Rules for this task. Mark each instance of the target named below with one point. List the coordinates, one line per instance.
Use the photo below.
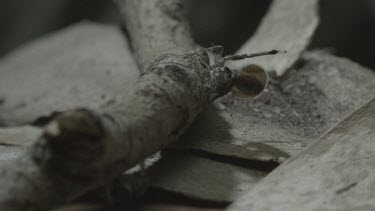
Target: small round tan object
(250, 82)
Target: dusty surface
(334, 173)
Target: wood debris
(336, 172)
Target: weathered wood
(189, 174)
(336, 172)
(82, 149)
(289, 25)
(275, 126)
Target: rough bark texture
(155, 27)
(82, 149)
(336, 172)
(277, 124)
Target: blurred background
(347, 27)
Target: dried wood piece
(212, 179)
(233, 126)
(279, 123)
(336, 172)
(86, 65)
(289, 25)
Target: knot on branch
(72, 138)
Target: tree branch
(80, 150)
(155, 28)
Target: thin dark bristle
(246, 56)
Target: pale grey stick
(80, 150)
